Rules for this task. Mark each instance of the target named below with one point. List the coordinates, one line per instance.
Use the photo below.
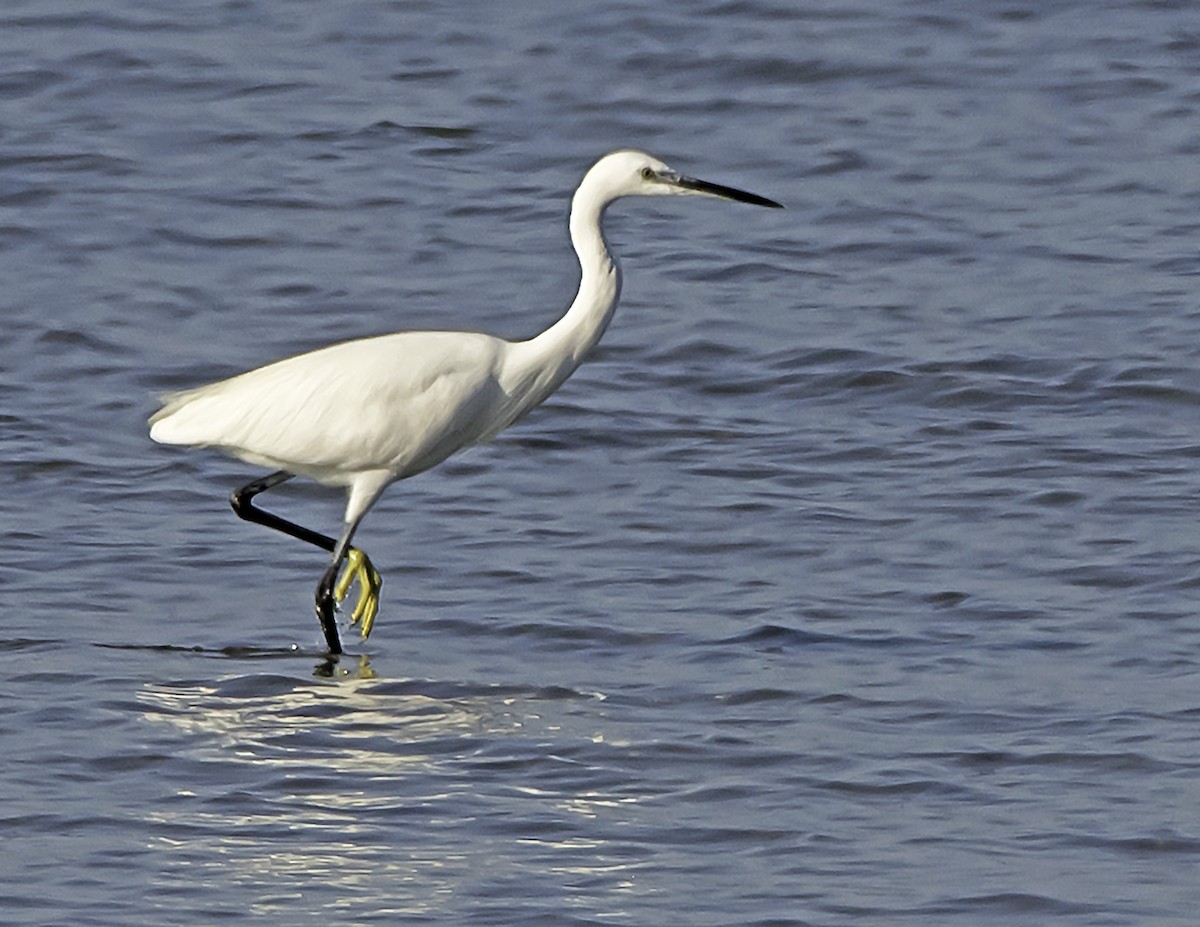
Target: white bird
(363, 414)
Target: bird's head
(635, 173)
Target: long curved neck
(543, 363)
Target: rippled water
(853, 581)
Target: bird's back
(400, 403)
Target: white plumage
(400, 403)
(363, 414)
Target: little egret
(365, 413)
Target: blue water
(852, 581)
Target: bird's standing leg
(362, 492)
(358, 567)
(358, 564)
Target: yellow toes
(359, 567)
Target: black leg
(325, 601)
(241, 500)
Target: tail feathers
(172, 424)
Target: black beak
(725, 193)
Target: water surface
(852, 581)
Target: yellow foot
(359, 567)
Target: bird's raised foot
(359, 567)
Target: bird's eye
(647, 173)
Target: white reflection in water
(358, 796)
(355, 725)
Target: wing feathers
(398, 402)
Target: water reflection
(358, 795)
(355, 724)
